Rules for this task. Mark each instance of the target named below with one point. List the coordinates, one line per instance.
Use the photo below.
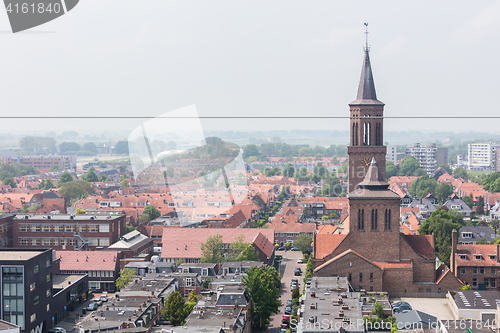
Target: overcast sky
(254, 58)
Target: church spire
(366, 88)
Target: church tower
(366, 128)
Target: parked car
(104, 298)
(295, 248)
(282, 331)
(299, 261)
(57, 330)
(284, 326)
(297, 272)
(91, 307)
(293, 287)
(288, 310)
(296, 281)
(401, 307)
(97, 301)
(289, 302)
(285, 319)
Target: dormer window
(492, 256)
(462, 256)
(478, 256)
(466, 234)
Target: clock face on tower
(366, 162)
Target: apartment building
(44, 162)
(481, 156)
(67, 232)
(428, 156)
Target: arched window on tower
(374, 219)
(361, 219)
(387, 224)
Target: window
(493, 270)
(24, 241)
(474, 270)
(371, 277)
(36, 269)
(492, 256)
(92, 228)
(189, 282)
(428, 290)
(493, 282)
(361, 219)
(474, 283)
(37, 299)
(32, 286)
(46, 241)
(48, 292)
(48, 277)
(462, 270)
(48, 307)
(46, 228)
(71, 242)
(478, 256)
(58, 228)
(103, 227)
(94, 241)
(35, 228)
(462, 256)
(103, 241)
(350, 277)
(33, 317)
(371, 288)
(64, 242)
(360, 277)
(35, 241)
(481, 270)
(387, 220)
(420, 290)
(374, 219)
(82, 228)
(23, 228)
(55, 241)
(69, 228)
(48, 263)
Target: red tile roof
(421, 244)
(88, 260)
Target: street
(289, 263)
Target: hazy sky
(258, 58)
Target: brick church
(368, 247)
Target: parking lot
(437, 307)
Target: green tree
(422, 186)
(206, 283)
(38, 145)
(460, 173)
(16, 170)
(65, 177)
(447, 168)
(152, 211)
(295, 293)
(90, 176)
(212, 250)
(192, 297)
(378, 310)
(80, 211)
(248, 254)
(250, 150)
(174, 309)
(9, 181)
(390, 169)
(468, 201)
(69, 147)
(90, 147)
(465, 287)
(264, 295)
(441, 223)
(124, 184)
(408, 167)
(482, 241)
(55, 167)
(443, 191)
(289, 171)
(303, 242)
(76, 189)
(103, 178)
(309, 268)
(45, 184)
(121, 148)
(124, 278)
(480, 206)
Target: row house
(474, 264)
(102, 267)
(67, 232)
(288, 232)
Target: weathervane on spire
(367, 48)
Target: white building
(480, 156)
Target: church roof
(366, 88)
(373, 186)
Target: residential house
(459, 206)
(471, 234)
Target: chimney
(454, 251)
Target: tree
(103, 178)
(76, 189)
(295, 292)
(174, 309)
(303, 242)
(124, 184)
(447, 168)
(212, 250)
(408, 166)
(378, 310)
(480, 206)
(289, 170)
(69, 147)
(192, 297)
(250, 150)
(90, 147)
(65, 177)
(390, 169)
(90, 176)
(248, 254)
(482, 241)
(206, 283)
(441, 223)
(460, 173)
(45, 184)
(38, 145)
(9, 181)
(121, 148)
(152, 211)
(468, 201)
(465, 287)
(124, 278)
(81, 211)
(264, 295)
(16, 170)
(422, 186)
(443, 191)
(55, 167)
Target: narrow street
(288, 264)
